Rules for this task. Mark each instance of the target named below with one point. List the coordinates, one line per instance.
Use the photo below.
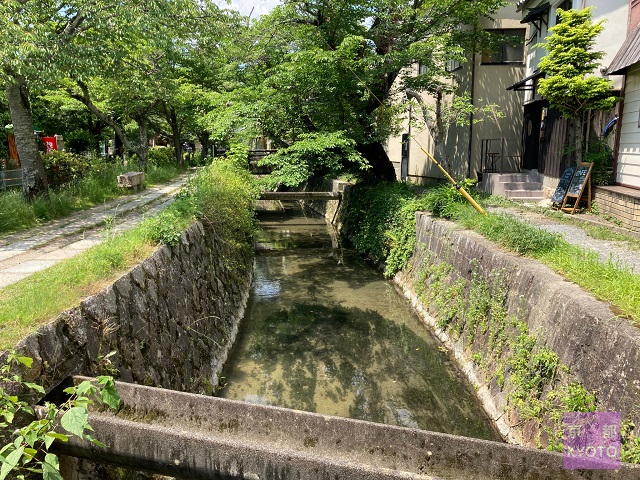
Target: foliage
(327, 154)
(238, 155)
(630, 451)
(98, 186)
(569, 59)
(221, 194)
(162, 156)
(370, 212)
(64, 167)
(444, 201)
(325, 67)
(29, 449)
(600, 155)
(568, 65)
(380, 219)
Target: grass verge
(380, 220)
(222, 194)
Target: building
(546, 134)
(492, 144)
(622, 201)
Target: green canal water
(324, 332)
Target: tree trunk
(205, 141)
(171, 117)
(579, 123)
(34, 178)
(381, 166)
(143, 149)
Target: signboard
(581, 180)
(563, 185)
(50, 143)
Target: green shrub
(64, 167)
(167, 227)
(78, 141)
(161, 157)
(444, 201)
(370, 213)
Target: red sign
(50, 143)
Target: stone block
(131, 179)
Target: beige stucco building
(489, 140)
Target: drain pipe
(473, 85)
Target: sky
(260, 7)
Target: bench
(131, 180)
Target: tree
(570, 60)
(44, 41)
(335, 67)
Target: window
(422, 69)
(566, 5)
(508, 47)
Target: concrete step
(528, 194)
(521, 185)
(520, 177)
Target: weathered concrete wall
(171, 320)
(601, 350)
(199, 437)
(327, 208)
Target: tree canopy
(570, 85)
(331, 68)
(326, 80)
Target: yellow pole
(462, 191)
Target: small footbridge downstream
(308, 196)
(200, 437)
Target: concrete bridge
(308, 196)
(199, 437)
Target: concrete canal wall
(170, 321)
(594, 347)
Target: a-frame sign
(580, 184)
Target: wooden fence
(10, 178)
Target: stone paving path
(619, 252)
(29, 251)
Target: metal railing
(10, 178)
(500, 155)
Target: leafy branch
(28, 449)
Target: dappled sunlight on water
(326, 333)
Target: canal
(324, 332)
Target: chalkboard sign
(577, 182)
(581, 179)
(563, 185)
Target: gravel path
(618, 252)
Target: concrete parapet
(198, 437)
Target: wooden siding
(628, 164)
(552, 160)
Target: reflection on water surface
(325, 333)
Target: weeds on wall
(539, 388)
(380, 219)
